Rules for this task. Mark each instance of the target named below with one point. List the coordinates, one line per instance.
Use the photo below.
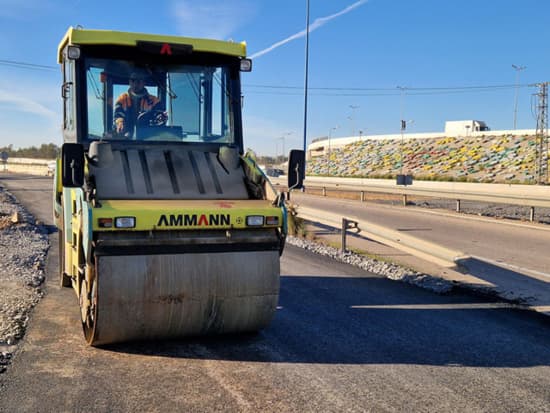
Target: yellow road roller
(167, 228)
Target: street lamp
(518, 69)
(328, 153)
(282, 138)
(402, 89)
(306, 70)
(352, 118)
(403, 127)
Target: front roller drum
(148, 297)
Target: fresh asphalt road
(342, 340)
(524, 246)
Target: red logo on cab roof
(166, 49)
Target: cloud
(319, 22)
(19, 103)
(213, 19)
(30, 109)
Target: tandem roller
(168, 227)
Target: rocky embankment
(23, 249)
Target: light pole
(328, 152)
(402, 101)
(282, 138)
(352, 118)
(403, 127)
(518, 69)
(306, 70)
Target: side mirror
(296, 169)
(72, 165)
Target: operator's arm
(121, 107)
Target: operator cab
(192, 103)
(187, 96)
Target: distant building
(456, 128)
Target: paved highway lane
(521, 245)
(342, 340)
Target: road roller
(167, 226)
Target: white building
(455, 128)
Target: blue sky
(355, 46)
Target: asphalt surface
(342, 340)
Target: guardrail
(430, 251)
(530, 196)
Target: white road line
(451, 306)
(525, 271)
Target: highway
(342, 340)
(521, 245)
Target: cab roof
(76, 36)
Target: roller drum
(142, 297)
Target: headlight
(254, 220)
(73, 52)
(246, 65)
(125, 222)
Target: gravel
(386, 269)
(23, 248)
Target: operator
(132, 105)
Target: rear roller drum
(88, 305)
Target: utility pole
(518, 69)
(541, 165)
(306, 70)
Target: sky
(371, 62)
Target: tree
(45, 151)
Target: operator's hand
(120, 125)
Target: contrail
(321, 21)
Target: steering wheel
(152, 118)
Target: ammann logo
(194, 220)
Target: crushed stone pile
(23, 249)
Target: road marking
(450, 306)
(524, 271)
